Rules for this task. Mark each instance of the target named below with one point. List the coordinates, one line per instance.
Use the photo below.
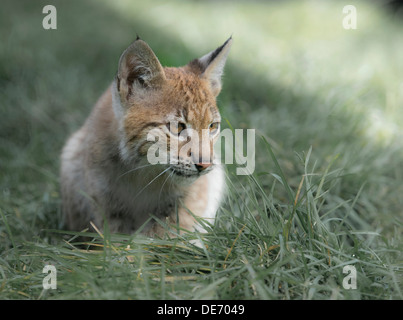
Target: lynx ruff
(105, 172)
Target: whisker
(166, 179)
(172, 181)
(132, 170)
(160, 174)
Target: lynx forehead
(104, 168)
(184, 98)
(197, 104)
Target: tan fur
(104, 169)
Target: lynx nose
(201, 163)
(202, 166)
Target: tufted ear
(138, 70)
(211, 65)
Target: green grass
(327, 189)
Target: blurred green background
(294, 74)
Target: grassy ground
(327, 190)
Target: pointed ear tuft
(138, 69)
(211, 65)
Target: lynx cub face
(177, 104)
(108, 167)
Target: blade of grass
(10, 234)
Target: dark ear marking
(138, 69)
(217, 51)
(211, 65)
(118, 83)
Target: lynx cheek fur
(104, 169)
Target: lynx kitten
(105, 171)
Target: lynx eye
(214, 127)
(176, 127)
